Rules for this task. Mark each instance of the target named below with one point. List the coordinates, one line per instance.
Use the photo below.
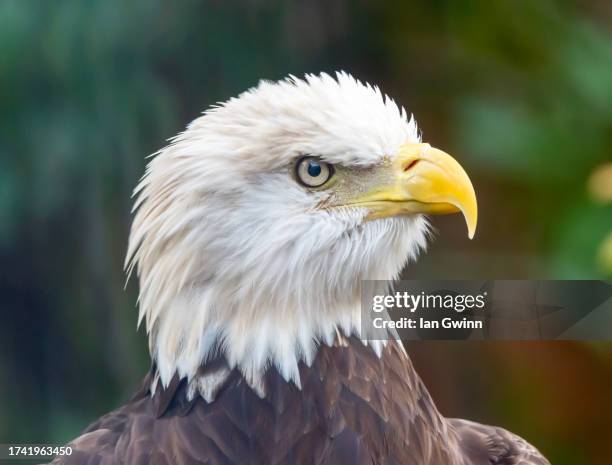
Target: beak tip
(471, 225)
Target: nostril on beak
(411, 165)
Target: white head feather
(233, 255)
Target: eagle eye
(312, 172)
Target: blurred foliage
(605, 254)
(600, 184)
(520, 91)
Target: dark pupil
(314, 169)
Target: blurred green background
(519, 91)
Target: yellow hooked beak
(423, 180)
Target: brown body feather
(354, 408)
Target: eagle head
(255, 227)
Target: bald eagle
(254, 230)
